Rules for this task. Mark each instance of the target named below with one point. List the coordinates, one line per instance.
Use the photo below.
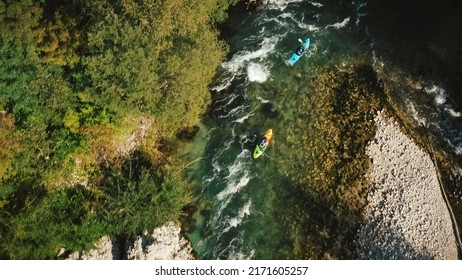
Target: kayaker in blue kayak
(300, 51)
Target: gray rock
(414, 220)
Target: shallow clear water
(241, 201)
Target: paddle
(300, 40)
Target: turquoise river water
(240, 201)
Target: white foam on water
(236, 253)
(440, 98)
(312, 28)
(238, 62)
(362, 4)
(280, 23)
(341, 24)
(377, 63)
(224, 149)
(286, 15)
(210, 133)
(235, 249)
(257, 73)
(207, 180)
(224, 83)
(360, 14)
(316, 4)
(216, 170)
(243, 118)
(223, 223)
(227, 99)
(280, 4)
(457, 148)
(244, 139)
(237, 178)
(415, 114)
(240, 59)
(232, 112)
(262, 100)
(216, 166)
(438, 92)
(243, 114)
(300, 23)
(234, 186)
(227, 194)
(234, 222)
(453, 113)
(233, 255)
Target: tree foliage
(149, 56)
(75, 76)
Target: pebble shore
(406, 217)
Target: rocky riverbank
(165, 243)
(406, 216)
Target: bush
(135, 198)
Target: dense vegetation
(91, 96)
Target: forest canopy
(77, 79)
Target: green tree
(18, 19)
(8, 143)
(58, 38)
(149, 57)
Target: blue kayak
(300, 51)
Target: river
(255, 209)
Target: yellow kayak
(263, 143)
